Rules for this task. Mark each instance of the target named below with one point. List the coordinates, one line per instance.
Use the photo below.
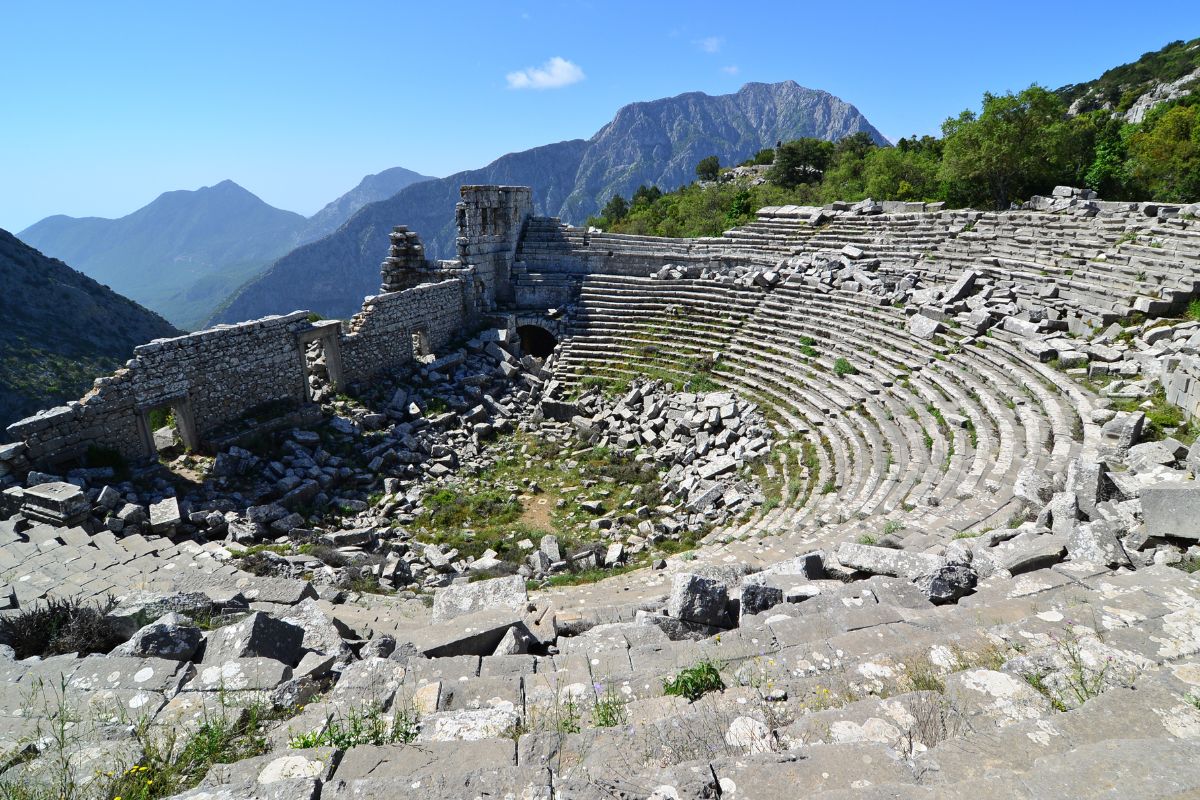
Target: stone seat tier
(762, 360)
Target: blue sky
(106, 105)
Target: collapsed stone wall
(214, 379)
(381, 335)
(213, 376)
(1182, 385)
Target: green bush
(168, 766)
(609, 711)
(843, 367)
(764, 157)
(695, 681)
(367, 727)
(709, 169)
(446, 508)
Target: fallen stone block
(137, 609)
(1039, 553)
(885, 561)
(257, 636)
(507, 593)
(677, 629)
(947, 582)
(697, 599)
(56, 503)
(164, 515)
(1122, 432)
(171, 636)
(759, 597)
(1097, 542)
(924, 327)
(1172, 511)
(475, 634)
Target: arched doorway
(536, 340)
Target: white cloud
(732, 69)
(554, 74)
(710, 44)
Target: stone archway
(536, 340)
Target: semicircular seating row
(885, 441)
(1096, 269)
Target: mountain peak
(371, 189)
(656, 141)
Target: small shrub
(167, 768)
(61, 626)
(1188, 565)
(325, 553)
(361, 728)
(843, 367)
(695, 681)
(920, 675)
(1037, 681)
(609, 711)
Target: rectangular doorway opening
(317, 379)
(420, 344)
(168, 429)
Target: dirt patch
(536, 512)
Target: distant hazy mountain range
(187, 251)
(59, 330)
(657, 142)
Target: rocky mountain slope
(1132, 89)
(179, 255)
(59, 330)
(657, 142)
(370, 189)
(188, 250)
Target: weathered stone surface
(496, 594)
(1097, 542)
(885, 561)
(257, 636)
(697, 599)
(757, 598)
(923, 327)
(1172, 510)
(170, 636)
(164, 515)
(141, 608)
(56, 502)
(946, 583)
(478, 633)
(1039, 553)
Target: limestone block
(1172, 510)
(507, 593)
(258, 635)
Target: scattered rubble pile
(344, 488)
(830, 670)
(336, 505)
(702, 442)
